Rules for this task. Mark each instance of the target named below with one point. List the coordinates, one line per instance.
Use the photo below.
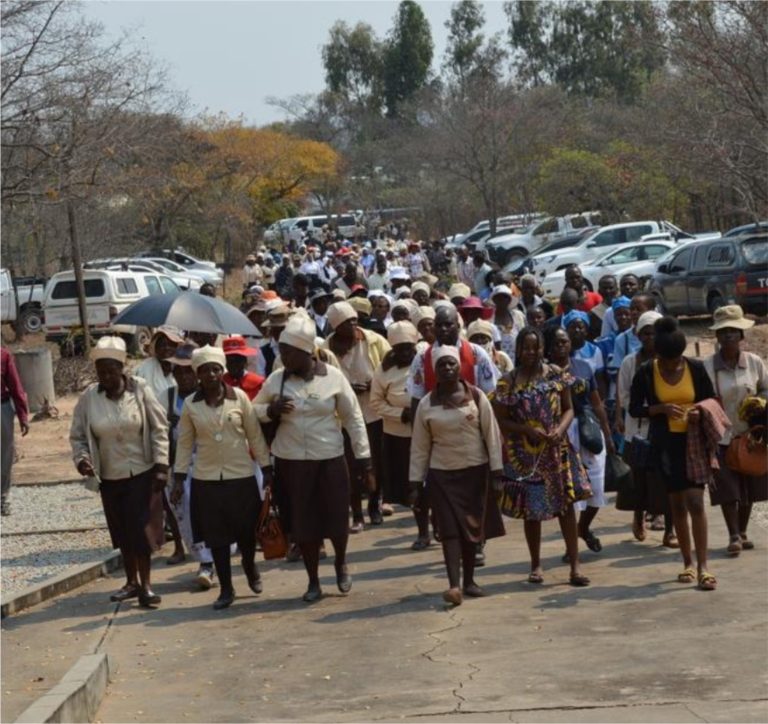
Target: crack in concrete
(470, 677)
(693, 713)
(585, 707)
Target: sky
(230, 56)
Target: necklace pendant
(218, 437)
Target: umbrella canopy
(190, 311)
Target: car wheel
(31, 320)
(514, 255)
(714, 302)
(136, 344)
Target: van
(107, 293)
(345, 224)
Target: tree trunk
(79, 282)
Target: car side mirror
(663, 268)
(591, 244)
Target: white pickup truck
(22, 300)
(505, 248)
(608, 238)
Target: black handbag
(590, 434)
(640, 453)
(617, 474)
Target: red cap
(236, 345)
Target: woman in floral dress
(543, 475)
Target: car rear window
(720, 255)
(756, 252)
(68, 289)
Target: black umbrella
(190, 311)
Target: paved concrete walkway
(635, 646)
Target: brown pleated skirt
(224, 511)
(134, 513)
(456, 497)
(314, 495)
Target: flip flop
(421, 544)
(535, 577)
(687, 576)
(670, 541)
(707, 582)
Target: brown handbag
(269, 532)
(747, 454)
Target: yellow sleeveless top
(681, 394)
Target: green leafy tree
(589, 47)
(353, 61)
(407, 56)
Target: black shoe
(376, 517)
(225, 600)
(343, 580)
(125, 593)
(480, 556)
(254, 578)
(314, 593)
(148, 598)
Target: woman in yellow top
(220, 425)
(665, 389)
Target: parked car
(22, 300)
(107, 293)
(186, 260)
(639, 259)
(518, 267)
(519, 244)
(195, 276)
(607, 239)
(345, 224)
(699, 278)
(277, 233)
(184, 280)
(751, 228)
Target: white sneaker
(205, 576)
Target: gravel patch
(760, 514)
(39, 508)
(31, 559)
(29, 555)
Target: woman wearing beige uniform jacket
(455, 441)
(119, 435)
(220, 425)
(311, 402)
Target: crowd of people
(396, 376)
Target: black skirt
(672, 464)
(224, 511)
(134, 513)
(456, 498)
(396, 457)
(733, 487)
(316, 495)
(652, 495)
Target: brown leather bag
(269, 532)
(747, 454)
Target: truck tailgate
(59, 318)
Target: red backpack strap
(429, 373)
(467, 359)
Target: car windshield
(756, 252)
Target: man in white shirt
(380, 277)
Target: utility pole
(77, 261)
